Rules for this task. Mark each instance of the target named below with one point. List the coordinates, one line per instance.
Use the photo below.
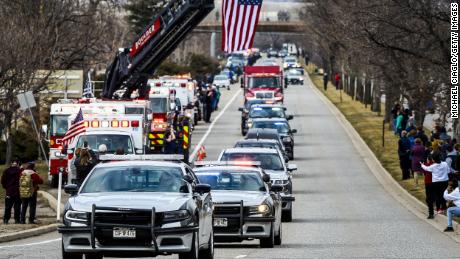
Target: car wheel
(287, 215)
(68, 255)
(269, 242)
(93, 256)
(193, 253)
(208, 253)
(279, 237)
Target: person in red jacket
(10, 182)
(31, 199)
(337, 81)
(430, 191)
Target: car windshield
(232, 180)
(250, 103)
(269, 161)
(257, 144)
(294, 72)
(264, 82)
(266, 112)
(159, 105)
(281, 127)
(113, 142)
(59, 125)
(135, 179)
(220, 77)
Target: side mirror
(149, 117)
(241, 109)
(291, 167)
(290, 117)
(202, 188)
(266, 178)
(71, 189)
(293, 131)
(276, 188)
(188, 178)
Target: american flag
(88, 88)
(75, 129)
(239, 22)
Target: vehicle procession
(143, 198)
(147, 193)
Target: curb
(51, 200)
(29, 233)
(35, 231)
(390, 185)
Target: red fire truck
(263, 82)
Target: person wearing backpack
(10, 182)
(28, 187)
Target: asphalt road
(341, 211)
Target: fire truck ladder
(176, 20)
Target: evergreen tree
(142, 12)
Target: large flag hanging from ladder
(239, 22)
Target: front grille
(264, 95)
(229, 210)
(255, 229)
(140, 218)
(105, 238)
(79, 241)
(171, 242)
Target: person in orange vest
(201, 155)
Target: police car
(245, 206)
(258, 111)
(272, 162)
(138, 207)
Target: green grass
(369, 126)
(42, 170)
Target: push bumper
(242, 227)
(160, 240)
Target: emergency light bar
(227, 163)
(133, 157)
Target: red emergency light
(134, 124)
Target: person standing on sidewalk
(404, 155)
(325, 79)
(439, 171)
(421, 135)
(10, 182)
(418, 154)
(429, 190)
(28, 187)
(337, 81)
(451, 194)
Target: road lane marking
(240, 256)
(32, 244)
(197, 147)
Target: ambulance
(60, 113)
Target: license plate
(124, 233)
(220, 222)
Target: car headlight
(249, 124)
(286, 139)
(280, 182)
(76, 216)
(260, 209)
(176, 215)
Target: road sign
(26, 100)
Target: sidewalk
(45, 216)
